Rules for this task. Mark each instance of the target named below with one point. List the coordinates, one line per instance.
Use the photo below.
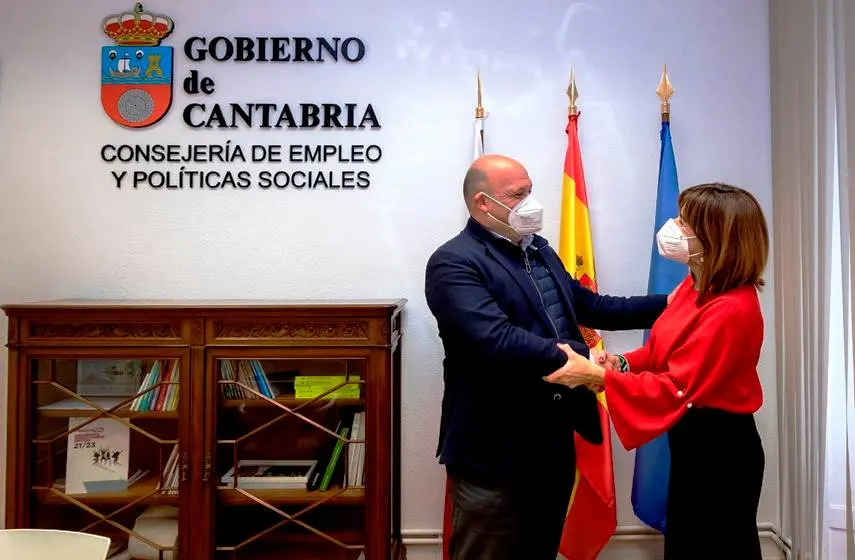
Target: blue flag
(653, 460)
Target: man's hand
(577, 371)
(671, 295)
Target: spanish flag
(592, 516)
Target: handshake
(605, 359)
(581, 371)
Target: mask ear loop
(497, 202)
(490, 214)
(692, 255)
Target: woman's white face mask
(673, 244)
(524, 218)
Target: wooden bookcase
(229, 358)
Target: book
(97, 456)
(278, 474)
(108, 378)
(356, 451)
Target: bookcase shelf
(335, 495)
(289, 401)
(227, 430)
(121, 413)
(144, 490)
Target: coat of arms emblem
(136, 72)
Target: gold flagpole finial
(572, 94)
(665, 91)
(480, 113)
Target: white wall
(66, 231)
(834, 537)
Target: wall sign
(137, 80)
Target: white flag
(478, 147)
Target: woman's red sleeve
(724, 341)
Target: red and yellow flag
(592, 515)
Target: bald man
(503, 301)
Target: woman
(696, 377)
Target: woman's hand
(577, 371)
(605, 359)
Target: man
(503, 301)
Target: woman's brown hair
(731, 228)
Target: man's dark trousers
(496, 519)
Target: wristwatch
(622, 363)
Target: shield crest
(136, 72)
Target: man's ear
(479, 201)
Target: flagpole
(480, 112)
(665, 91)
(479, 107)
(591, 517)
(649, 495)
(478, 149)
(572, 94)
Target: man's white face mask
(525, 218)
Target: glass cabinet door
(104, 448)
(289, 437)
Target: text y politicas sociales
(229, 153)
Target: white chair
(47, 544)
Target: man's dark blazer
(499, 418)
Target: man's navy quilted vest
(548, 293)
